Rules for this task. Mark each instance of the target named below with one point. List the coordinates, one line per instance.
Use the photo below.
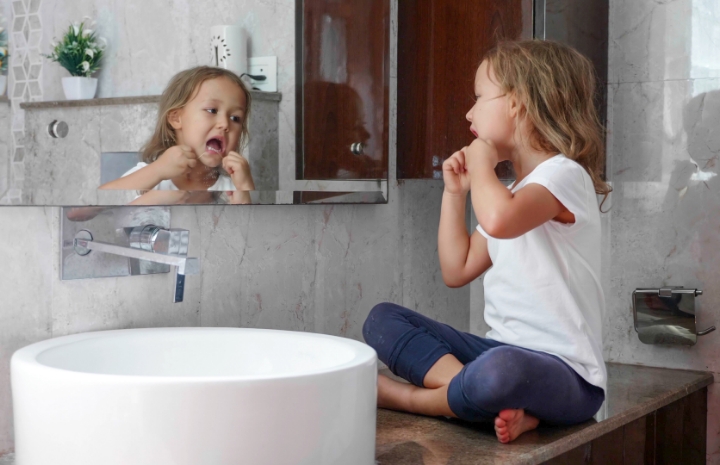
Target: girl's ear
(514, 105)
(174, 119)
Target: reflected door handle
(357, 148)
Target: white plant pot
(79, 88)
(3, 84)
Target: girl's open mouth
(474, 133)
(215, 145)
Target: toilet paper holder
(667, 315)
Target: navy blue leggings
(496, 376)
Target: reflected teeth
(212, 149)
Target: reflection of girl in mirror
(538, 240)
(194, 153)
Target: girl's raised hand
(175, 161)
(481, 151)
(239, 170)
(455, 174)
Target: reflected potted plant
(80, 52)
(4, 55)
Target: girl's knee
(495, 381)
(374, 322)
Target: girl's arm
(142, 180)
(239, 197)
(154, 197)
(462, 257)
(157, 197)
(175, 161)
(501, 213)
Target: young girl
(539, 242)
(200, 129)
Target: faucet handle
(159, 240)
(172, 241)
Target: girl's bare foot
(511, 423)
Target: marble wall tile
(663, 40)
(26, 284)
(6, 152)
(664, 220)
(663, 147)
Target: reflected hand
(239, 170)
(175, 161)
(455, 174)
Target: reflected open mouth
(215, 145)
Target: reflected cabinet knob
(357, 148)
(58, 129)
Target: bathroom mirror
(319, 136)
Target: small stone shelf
(270, 96)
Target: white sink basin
(195, 396)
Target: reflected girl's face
(492, 115)
(211, 122)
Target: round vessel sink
(190, 396)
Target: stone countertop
(256, 95)
(633, 391)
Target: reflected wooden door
(440, 44)
(343, 122)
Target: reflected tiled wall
(24, 84)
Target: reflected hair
(556, 86)
(179, 91)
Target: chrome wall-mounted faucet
(138, 249)
(153, 244)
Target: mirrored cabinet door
(344, 116)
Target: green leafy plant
(80, 51)
(4, 55)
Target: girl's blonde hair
(556, 86)
(181, 89)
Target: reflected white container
(79, 88)
(190, 396)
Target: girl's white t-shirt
(223, 183)
(543, 291)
